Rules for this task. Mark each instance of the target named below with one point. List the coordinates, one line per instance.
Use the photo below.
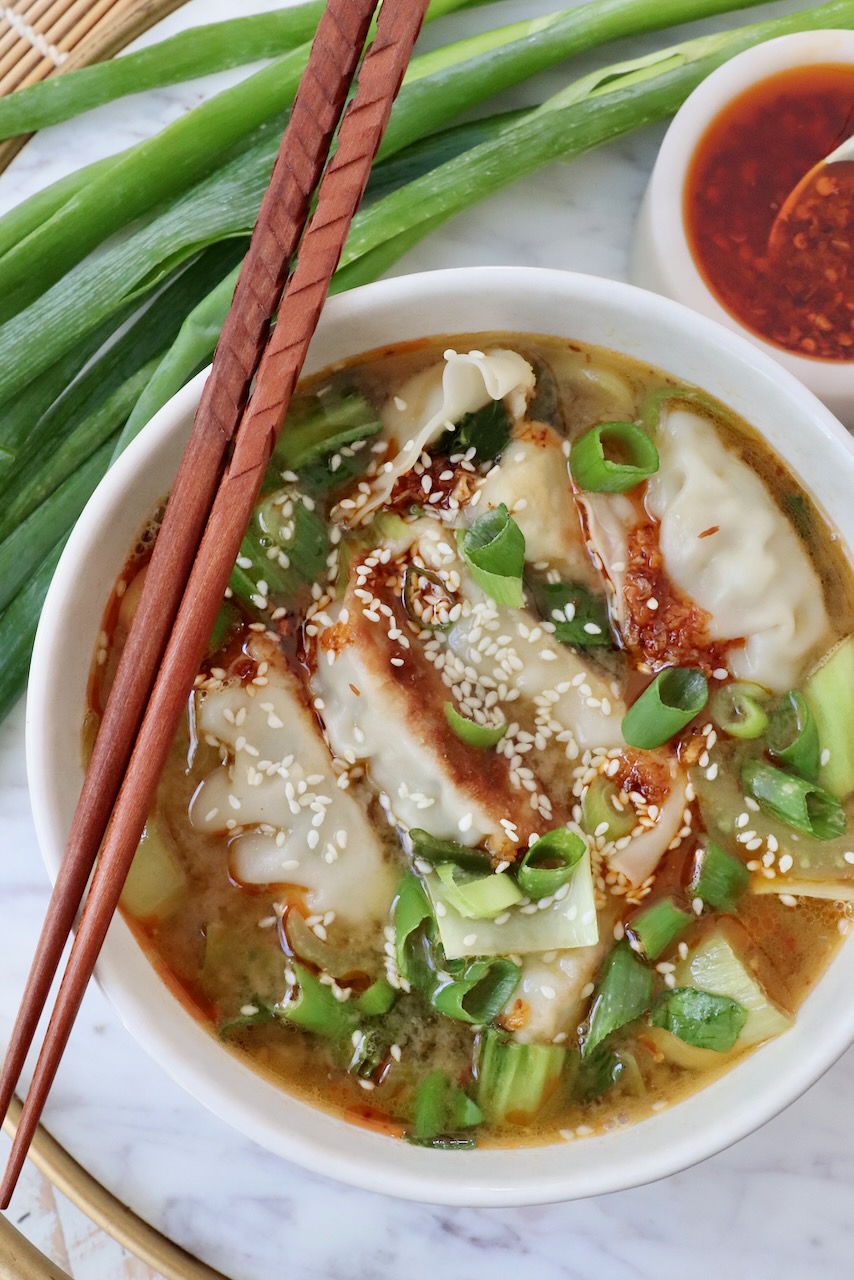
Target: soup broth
(513, 800)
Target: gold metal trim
(20, 1260)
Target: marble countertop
(777, 1205)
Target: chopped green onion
(549, 863)
(514, 1081)
(657, 926)
(313, 1007)
(799, 804)
(433, 849)
(579, 617)
(700, 1018)
(598, 1072)
(494, 550)
(599, 815)
(441, 1110)
(718, 878)
(477, 897)
(623, 993)
(264, 1014)
(377, 1000)
(472, 733)
(675, 696)
(793, 737)
(227, 620)
(477, 991)
(737, 708)
(650, 410)
(413, 575)
(829, 692)
(413, 919)
(368, 1050)
(487, 431)
(612, 457)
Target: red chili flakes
(663, 626)
(800, 295)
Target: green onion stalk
(591, 111)
(439, 86)
(153, 172)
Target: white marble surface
(777, 1205)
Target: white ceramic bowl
(661, 258)
(642, 325)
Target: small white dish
(653, 330)
(661, 258)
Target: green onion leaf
(477, 897)
(487, 431)
(738, 709)
(579, 617)
(718, 878)
(675, 696)
(477, 991)
(612, 458)
(793, 736)
(699, 1018)
(657, 926)
(514, 1081)
(550, 862)
(600, 817)
(494, 550)
(623, 993)
(472, 733)
(433, 849)
(313, 1007)
(798, 803)
(377, 1000)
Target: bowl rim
(486, 1177)
(661, 225)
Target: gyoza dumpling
(728, 547)
(435, 400)
(278, 795)
(532, 480)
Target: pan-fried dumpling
(751, 573)
(435, 400)
(278, 794)
(533, 483)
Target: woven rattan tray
(40, 38)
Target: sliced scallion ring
(472, 733)
(793, 736)
(477, 897)
(800, 804)
(600, 816)
(612, 457)
(433, 849)
(738, 709)
(675, 696)
(550, 862)
(494, 550)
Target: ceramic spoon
(842, 153)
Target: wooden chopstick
(303, 153)
(339, 195)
